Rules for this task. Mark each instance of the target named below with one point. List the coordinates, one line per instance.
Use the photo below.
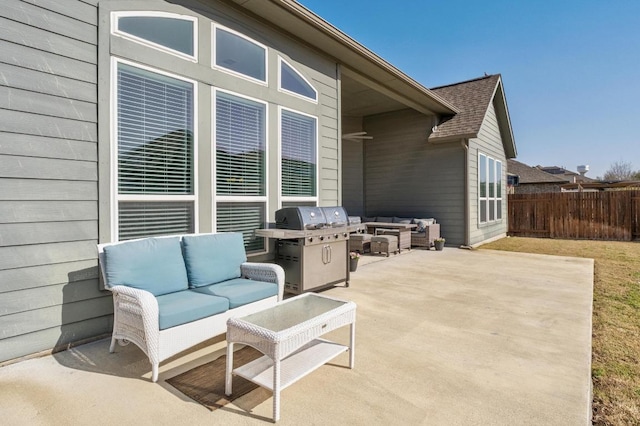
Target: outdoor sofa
(425, 233)
(171, 293)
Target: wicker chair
(427, 237)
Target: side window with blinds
(298, 139)
(240, 180)
(155, 153)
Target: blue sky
(570, 68)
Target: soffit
(309, 28)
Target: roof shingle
(472, 98)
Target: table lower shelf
(294, 367)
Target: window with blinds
(298, 135)
(244, 217)
(148, 219)
(240, 146)
(155, 143)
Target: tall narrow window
(298, 138)
(240, 55)
(155, 153)
(174, 33)
(240, 141)
(489, 189)
(293, 82)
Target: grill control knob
(344, 234)
(321, 238)
(310, 239)
(335, 236)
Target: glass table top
(293, 312)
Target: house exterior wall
(48, 177)
(537, 188)
(55, 145)
(408, 177)
(488, 142)
(353, 168)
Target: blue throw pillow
(152, 264)
(213, 258)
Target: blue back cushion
(152, 264)
(213, 258)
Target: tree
(621, 170)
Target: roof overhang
(504, 121)
(356, 61)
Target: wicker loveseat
(171, 293)
(425, 233)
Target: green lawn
(616, 320)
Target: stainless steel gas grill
(312, 246)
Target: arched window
(165, 31)
(292, 82)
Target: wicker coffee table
(287, 334)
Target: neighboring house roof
(567, 174)
(355, 59)
(473, 99)
(532, 175)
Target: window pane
(498, 209)
(245, 218)
(292, 81)
(499, 179)
(492, 178)
(146, 219)
(240, 55)
(492, 210)
(174, 33)
(298, 203)
(298, 133)
(483, 176)
(483, 210)
(155, 133)
(240, 146)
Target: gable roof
(530, 174)
(473, 98)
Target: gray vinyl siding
(48, 177)
(488, 142)
(408, 177)
(353, 168)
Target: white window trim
(289, 92)
(281, 197)
(238, 198)
(215, 66)
(489, 199)
(115, 197)
(116, 31)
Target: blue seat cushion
(152, 264)
(240, 291)
(187, 306)
(213, 258)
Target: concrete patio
(456, 337)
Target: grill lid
(308, 218)
(299, 218)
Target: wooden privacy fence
(608, 215)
